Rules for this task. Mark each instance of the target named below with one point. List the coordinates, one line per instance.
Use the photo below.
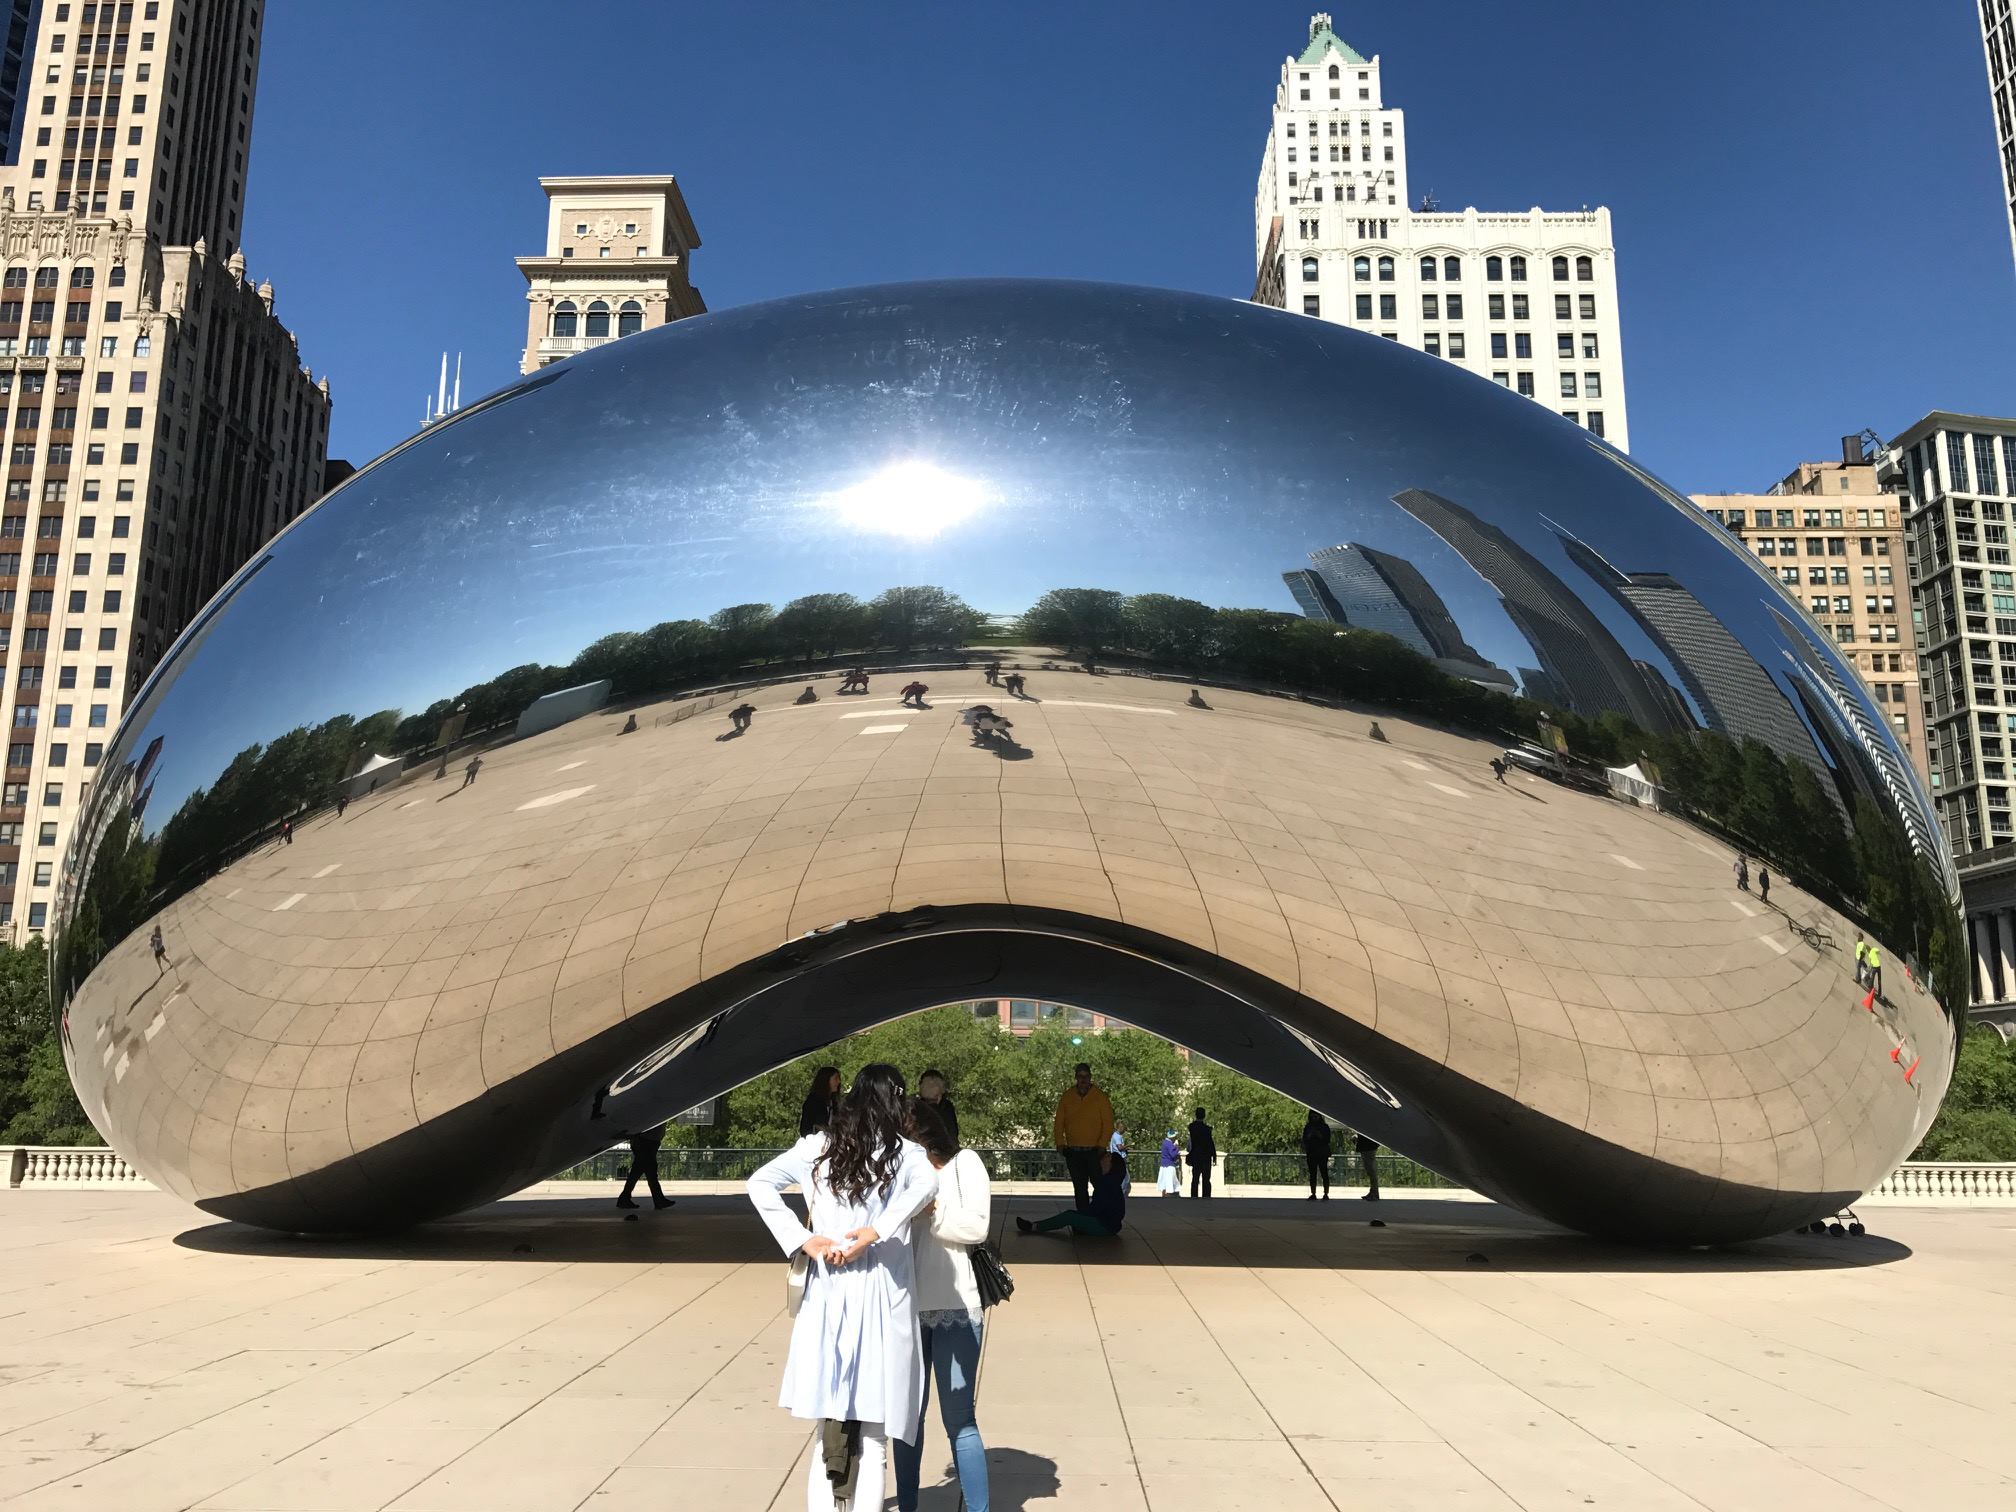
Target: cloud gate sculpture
(486, 815)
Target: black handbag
(990, 1276)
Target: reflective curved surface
(1323, 582)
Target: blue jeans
(952, 1354)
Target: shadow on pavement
(1419, 1233)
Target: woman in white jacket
(854, 1352)
(948, 1308)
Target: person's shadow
(728, 735)
(1016, 1480)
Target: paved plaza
(541, 1356)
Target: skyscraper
(1365, 597)
(1313, 596)
(618, 260)
(1358, 585)
(1998, 41)
(17, 20)
(161, 427)
(1583, 667)
(1527, 298)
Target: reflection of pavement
(1589, 958)
(1275, 1354)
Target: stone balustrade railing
(67, 1165)
(1948, 1181)
(1931, 1182)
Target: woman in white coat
(948, 1308)
(854, 1351)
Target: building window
(629, 318)
(1592, 385)
(1596, 422)
(1526, 384)
(1522, 346)
(1452, 269)
(1494, 269)
(1432, 343)
(598, 320)
(1456, 343)
(1389, 307)
(1428, 270)
(1585, 269)
(1310, 268)
(1518, 270)
(1364, 309)
(1361, 269)
(1496, 308)
(565, 318)
(1431, 307)
(1385, 270)
(1568, 386)
(1311, 305)
(1499, 347)
(1561, 270)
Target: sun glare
(913, 500)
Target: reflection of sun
(912, 499)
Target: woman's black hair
(926, 1125)
(818, 1110)
(865, 1140)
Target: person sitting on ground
(1376, 733)
(629, 726)
(912, 693)
(1196, 700)
(1105, 1213)
(810, 695)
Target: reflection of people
(949, 1313)
(161, 961)
(1764, 884)
(742, 716)
(1316, 1152)
(856, 1364)
(1861, 962)
(343, 802)
(1203, 1151)
(931, 1087)
(629, 726)
(1082, 1126)
(469, 772)
(992, 672)
(1102, 1216)
(1742, 871)
(1168, 1183)
(1013, 682)
(1196, 700)
(1875, 960)
(810, 695)
(1498, 768)
(818, 1110)
(856, 681)
(287, 830)
(1368, 1157)
(987, 725)
(644, 1163)
(912, 693)
(1380, 735)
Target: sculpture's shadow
(1414, 1233)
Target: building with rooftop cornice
(160, 427)
(1527, 299)
(618, 260)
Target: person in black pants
(1203, 1150)
(1368, 1153)
(644, 1166)
(1316, 1151)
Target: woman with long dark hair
(854, 1358)
(949, 1314)
(818, 1110)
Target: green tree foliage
(37, 1105)
(1244, 1114)
(1978, 1119)
(906, 618)
(1090, 620)
(1167, 628)
(821, 624)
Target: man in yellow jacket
(1083, 1125)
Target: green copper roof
(1321, 41)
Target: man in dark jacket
(1316, 1152)
(1105, 1215)
(1203, 1151)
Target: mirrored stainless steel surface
(428, 931)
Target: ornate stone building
(159, 424)
(617, 261)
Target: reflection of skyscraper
(1864, 757)
(1578, 655)
(1364, 596)
(1313, 596)
(1736, 695)
(1356, 585)
(1669, 696)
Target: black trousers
(1200, 1175)
(1082, 1162)
(1319, 1170)
(644, 1168)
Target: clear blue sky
(1807, 205)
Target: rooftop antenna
(1429, 203)
(444, 401)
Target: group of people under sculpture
(886, 1297)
